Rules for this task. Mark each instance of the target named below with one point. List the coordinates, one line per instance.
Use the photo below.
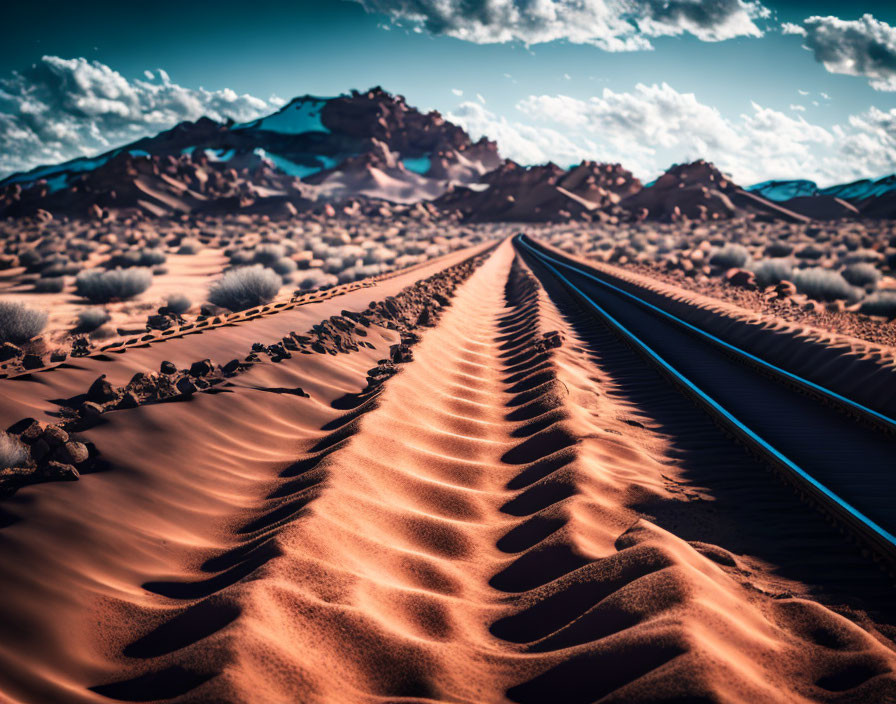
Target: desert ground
(422, 470)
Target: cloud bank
(60, 109)
(612, 25)
(653, 126)
(863, 47)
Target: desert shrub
(823, 284)
(89, 319)
(136, 258)
(13, 452)
(178, 303)
(778, 249)
(861, 274)
(30, 258)
(730, 256)
(284, 266)
(315, 278)
(881, 303)
(771, 271)
(51, 284)
(19, 323)
(245, 287)
(101, 286)
(863, 255)
(240, 257)
(268, 254)
(810, 251)
(189, 245)
(56, 270)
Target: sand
(512, 516)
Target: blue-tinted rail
(832, 448)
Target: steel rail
(881, 541)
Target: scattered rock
(168, 368)
(128, 400)
(741, 278)
(201, 368)
(55, 436)
(185, 386)
(785, 289)
(72, 453)
(101, 391)
(9, 351)
(32, 361)
(90, 410)
(60, 471)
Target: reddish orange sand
(465, 535)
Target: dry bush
(243, 288)
(19, 323)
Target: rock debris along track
(461, 532)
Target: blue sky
(730, 85)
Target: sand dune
(502, 519)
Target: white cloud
(798, 108)
(480, 98)
(791, 28)
(60, 109)
(653, 126)
(862, 47)
(457, 91)
(802, 92)
(612, 25)
(524, 144)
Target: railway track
(836, 452)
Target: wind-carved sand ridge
(472, 529)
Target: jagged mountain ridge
(373, 146)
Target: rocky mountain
(372, 146)
(699, 191)
(314, 149)
(862, 198)
(512, 192)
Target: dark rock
(201, 368)
(60, 471)
(58, 356)
(168, 368)
(129, 400)
(158, 322)
(54, 436)
(231, 367)
(424, 319)
(32, 361)
(80, 347)
(89, 409)
(32, 433)
(39, 450)
(185, 386)
(101, 390)
(400, 354)
(785, 289)
(9, 351)
(20, 426)
(741, 278)
(72, 452)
